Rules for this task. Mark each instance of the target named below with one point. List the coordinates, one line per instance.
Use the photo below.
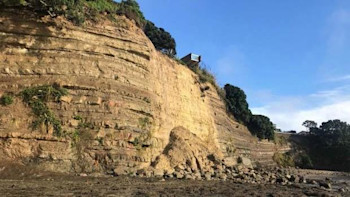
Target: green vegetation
(303, 160)
(284, 159)
(13, 2)
(6, 100)
(178, 60)
(144, 122)
(131, 9)
(281, 140)
(262, 127)
(82, 132)
(99, 6)
(331, 144)
(78, 11)
(36, 98)
(310, 124)
(237, 105)
(77, 117)
(204, 75)
(161, 39)
(75, 136)
(326, 147)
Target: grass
(82, 132)
(6, 100)
(36, 98)
(77, 117)
(102, 6)
(178, 60)
(204, 75)
(79, 10)
(280, 140)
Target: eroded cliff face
(132, 95)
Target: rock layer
(132, 95)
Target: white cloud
(341, 78)
(290, 113)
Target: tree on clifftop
(161, 39)
(310, 124)
(131, 9)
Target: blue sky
(292, 58)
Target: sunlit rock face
(129, 94)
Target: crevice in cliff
(138, 53)
(134, 63)
(142, 112)
(104, 35)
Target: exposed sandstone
(129, 94)
(186, 150)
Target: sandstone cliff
(132, 95)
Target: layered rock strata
(131, 94)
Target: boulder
(325, 184)
(120, 171)
(178, 175)
(246, 162)
(207, 176)
(158, 172)
(186, 151)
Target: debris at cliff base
(188, 152)
(187, 157)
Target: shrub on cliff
(13, 2)
(237, 103)
(262, 127)
(131, 9)
(6, 100)
(71, 9)
(284, 159)
(78, 10)
(161, 39)
(36, 98)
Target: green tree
(310, 124)
(333, 143)
(237, 103)
(131, 9)
(262, 127)
(161, 39)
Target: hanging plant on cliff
(161, 39)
